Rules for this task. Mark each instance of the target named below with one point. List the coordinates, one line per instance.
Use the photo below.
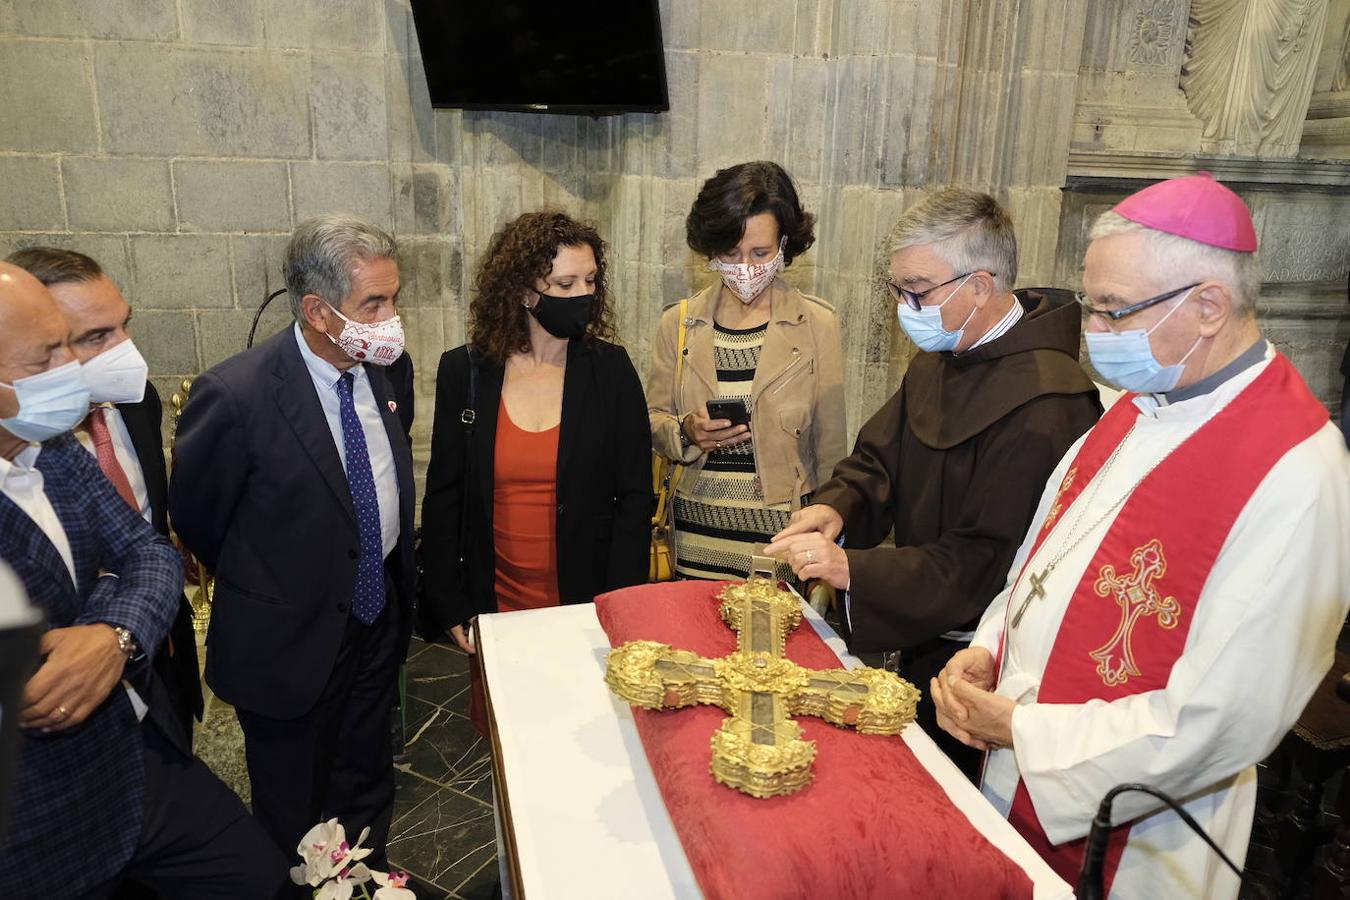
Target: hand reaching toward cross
(808, 546)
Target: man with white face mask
(106, 788)
(122, 429)
(293, 483)
(953, 463)
(1178, 596)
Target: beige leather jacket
(797, 395)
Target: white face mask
(379, 342)
(748, 280)
(50, 403)
(924, 325)
(116, 375)
(1125, 359)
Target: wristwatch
(684, 438)
(125, 642)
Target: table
(578, 810)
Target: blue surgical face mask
(1126, 360)
(924, 325)
(50, 403)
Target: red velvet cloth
(872, 823)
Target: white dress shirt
(325, 376)
(126, 455)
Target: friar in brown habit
(955, 461)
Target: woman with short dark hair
(767, 356)
(556, 504)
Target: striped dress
(720, 516)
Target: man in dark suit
(122, 429)
(292, 482)
(105, 788)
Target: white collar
(1204, 405)
(23, 463)
(1001, 327)
(320, 369)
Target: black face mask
(564, 317)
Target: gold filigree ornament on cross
(760, 750)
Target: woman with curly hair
(756, 414)
(539, 487)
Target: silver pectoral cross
(1037, 591)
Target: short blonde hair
(1182, 260)
(967, 229)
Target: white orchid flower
(392, 886)
(344, 883)
(326, 854)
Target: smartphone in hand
(734, 411)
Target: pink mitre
(1195, 207)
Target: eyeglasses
(1115, 315)
(914, 299)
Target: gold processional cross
(760, 750)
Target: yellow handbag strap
(664, 495)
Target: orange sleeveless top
(524, 522)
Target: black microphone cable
(1090, 882)
(252, 329)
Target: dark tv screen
(584, 56)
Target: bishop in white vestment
(1178, 597)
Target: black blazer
(400, 375)
(604, 483)
(179, 673)
(259, 494)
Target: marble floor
(442, 833)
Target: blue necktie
(368, 599)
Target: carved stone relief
(1249, 72)
(1155, 32)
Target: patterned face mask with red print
(379, 342)
(748, 280)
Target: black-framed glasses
(1115, 315)
(914, 299)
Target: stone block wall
(179, 141)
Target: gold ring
(62, 710)
(810, 556)
(719, 444)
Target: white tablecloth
(586, 813)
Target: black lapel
(490, 378)
(143, 420)
(295, 396)
(576, 397)
(393, 426)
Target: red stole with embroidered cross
(1128, 620)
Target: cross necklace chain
(1038, 579)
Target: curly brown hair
(519, 256)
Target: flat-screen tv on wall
(595, 57)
